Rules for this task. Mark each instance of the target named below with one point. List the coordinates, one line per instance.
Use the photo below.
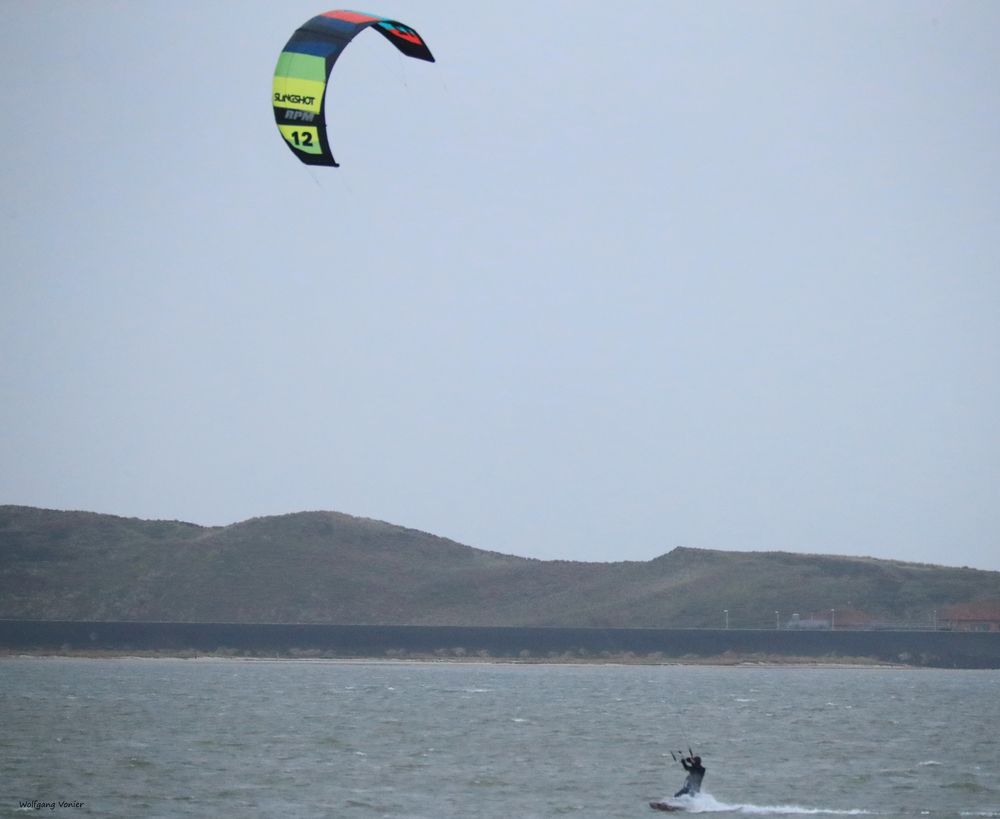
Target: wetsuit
(696, 772)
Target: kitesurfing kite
(304, 67)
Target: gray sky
(602, 281)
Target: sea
(359, 739)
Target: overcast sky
(602, 281)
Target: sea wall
(925, 648)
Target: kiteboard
(666, 806)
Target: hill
(327, 567)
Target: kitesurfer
(695, 773)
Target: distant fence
(926, 648)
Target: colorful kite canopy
(304, 67)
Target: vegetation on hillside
(326, 567)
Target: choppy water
(167, 738)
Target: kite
(303, 71)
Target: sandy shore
(724, 661)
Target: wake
(706, 803)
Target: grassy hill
(326, 567)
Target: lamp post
(833, 619)
(777, 621)
(725, 614)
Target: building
(979, 616)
